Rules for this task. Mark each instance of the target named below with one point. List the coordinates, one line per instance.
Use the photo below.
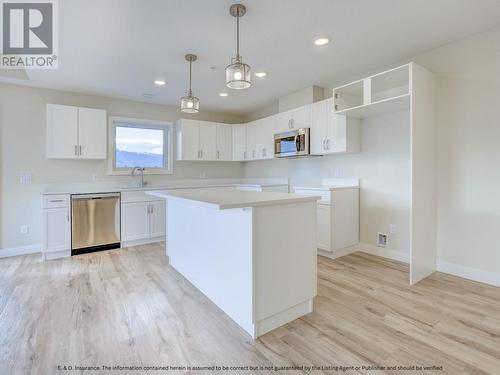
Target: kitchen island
(252, 253)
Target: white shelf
(381, 107)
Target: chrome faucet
(143, 183)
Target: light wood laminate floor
(128, 307)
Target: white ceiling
(119, 47)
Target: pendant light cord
(238, 35)
(190, 69)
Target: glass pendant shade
(238, 75)
(190, 104)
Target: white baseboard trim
(142, 242)
(21, 250)
(469, 273)
(338, 253)
(384, 252)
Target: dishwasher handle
(95, 196)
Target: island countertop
(227, 198)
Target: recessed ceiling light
(322, 41)
(160, 82)
(223, 94)
(260, 74)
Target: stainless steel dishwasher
(95, 222)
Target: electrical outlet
(203, 174)
(336, 172)
(23, 229)
(392, 228)
(94, 176)
(25, 178)
(382, 239)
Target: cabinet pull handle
(67, 216)
(152, 208)
(253, 153)
(324, 147)
(244, 154)
(201, 153)
(218, 154)
(56, 200)
(76, 150)
(80, 150)
(328, 144)
(291, 123)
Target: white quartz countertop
(325, 187)
(223, 198)
(330, 184)
(90, 188)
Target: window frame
(166, 126)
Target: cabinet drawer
(326, 196)
(55, 201)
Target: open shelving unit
(386, 92)
(408, 88)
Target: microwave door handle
(297, 143)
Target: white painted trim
(385, 252)
(145, 241)
(21, 250)
(338, 253)
(487, 277)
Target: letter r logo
(27, 28)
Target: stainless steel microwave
(291, 143)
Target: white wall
(22, 149)
(383, 166)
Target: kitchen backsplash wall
(22, 150)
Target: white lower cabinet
(337, 217)
(143, 219)
(56, 227)
(135, 221)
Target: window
(140, 143)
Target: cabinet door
(188, 139)
(251, 147)
(135, 221)
(294, 119)
(62, 131)
(92, 133)
(265, 138)
(323, 227)
(319, 126)
(239, 142)
(158, 219)
(208, 140)
(300, 117)
(56, 229)
(224, 142)
(337, 133)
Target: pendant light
(238, 73)
(190, 103)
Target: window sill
(146, 173)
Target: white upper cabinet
(188, 139)
(224, 142)
(208, 140)
(239, 142)
(74, 132)
(332, 133)
(251, 140)
(294, 119)
(319, 127)
(92, 133)
(264, 138)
